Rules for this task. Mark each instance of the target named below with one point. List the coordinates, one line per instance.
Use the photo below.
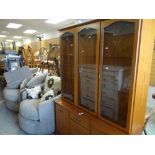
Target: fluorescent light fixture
(9, 40)
(27, 41)
(18, 44)
(30, 31)
(14, 25)
(2, 36)
(54, 21)
(17, 37)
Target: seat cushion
(29, 109)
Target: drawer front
(96, 131)
(90, 95)
(112, 94)
(108, 93)
(106, 111)
(76, 129)
(109, 73)
(88, 81)
(80, 120)
(109, 85)
(88, 103)
(107, 102)
(87, 75)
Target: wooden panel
(143, 75)
(80, 120)
(76, 129)
(62, 120)
(97, 131)
(152, 76)
(101, 127)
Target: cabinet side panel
(143, 74)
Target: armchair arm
(46, 111)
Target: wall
(152, 76)
(45, 43)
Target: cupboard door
(76, 129)
(62, 120)
(116, 64)
(67, 65)
(88, 50)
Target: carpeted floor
(8, 120)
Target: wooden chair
(43, 54)
(28, 57)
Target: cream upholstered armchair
(37, 116)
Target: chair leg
(145, 132)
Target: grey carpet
(8, 120)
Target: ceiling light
(54, 21)
(30, 31)
(18, 44)
(17, 37)
(27, 41)
(4, 32)
(2, 36)
(9, 40)
(14, 25)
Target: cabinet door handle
(80, 113)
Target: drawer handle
(80, 113)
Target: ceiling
(48, 30)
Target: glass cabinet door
(87, 45)
(117, 55)
(67, 65)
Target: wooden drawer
(96, 131)
(109, 85)
(110, 93)
(108, 102)
(99, 127)
(76, 129)
(108, 112)
(81, 120)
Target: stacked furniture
(105, 68)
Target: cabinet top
(81, 24)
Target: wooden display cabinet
(108, 79)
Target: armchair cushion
(52, 82)
(24, 83)
(47, 96)
(36, 80)
(29, 109)
(34, 93)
